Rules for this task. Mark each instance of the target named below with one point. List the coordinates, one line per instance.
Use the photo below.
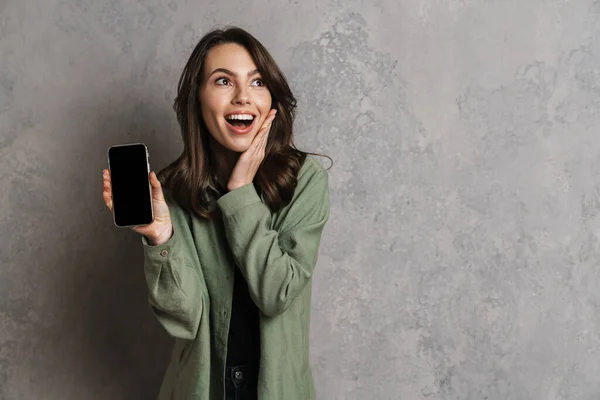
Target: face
(231, 85)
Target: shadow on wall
(122, 346)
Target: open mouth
(240, 123)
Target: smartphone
(131, 191)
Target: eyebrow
(228, 72)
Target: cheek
(210, 104)
(210, 115)
(210, 120)
(266, 108)
(263, 97)
(207, 108)
(205, 115)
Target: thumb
(156, 186)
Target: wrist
(232, 186)
(163, 237)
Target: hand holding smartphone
(134, 195)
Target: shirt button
(239, 375)
(164, 253)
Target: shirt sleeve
(277, 263)
(176, 287)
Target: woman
(230, 254)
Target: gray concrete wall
(461, 258)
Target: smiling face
(231, 85)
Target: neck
(222, 161)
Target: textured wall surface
(461, 257)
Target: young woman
(238, 221)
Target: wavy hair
(189, 178)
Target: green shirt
(190, 283)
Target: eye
(221, 78)
(261, 82)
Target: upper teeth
(240, 116)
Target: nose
(241, 96)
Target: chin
(238, 149)
(238, 146)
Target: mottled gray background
(461, 257)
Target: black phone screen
(132, 202)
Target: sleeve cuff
(162, 253)
(237, 199)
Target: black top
(243, 345)
(243, 342)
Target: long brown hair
(189, 178)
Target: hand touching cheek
(247, 165)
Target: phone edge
(149, 185)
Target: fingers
(107, 191)
(268, 122)
(107, 200)
(265, 136)
(157, 192)
(263, 141)
(154, 181)
(260, 141)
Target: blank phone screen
(130, 185)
